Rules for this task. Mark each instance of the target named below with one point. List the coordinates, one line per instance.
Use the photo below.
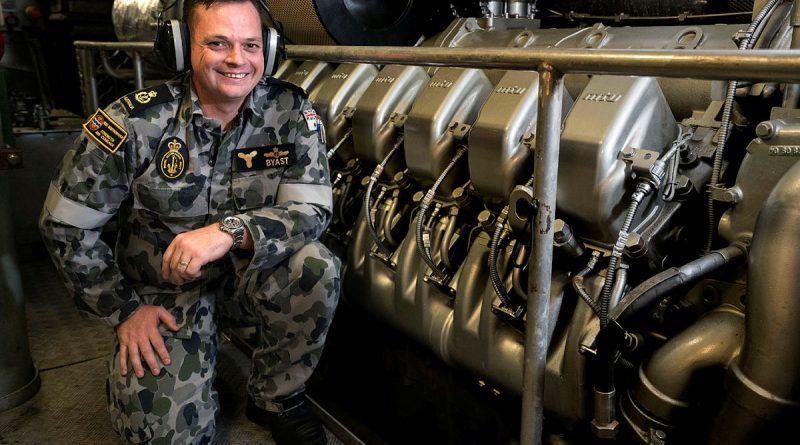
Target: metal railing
(552, 64)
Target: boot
(297, 425)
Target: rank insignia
(259, 158)
(140, 100)
(173, 159)
(105, 131)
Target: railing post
(548, 130)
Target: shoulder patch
(287, 85)
(105, 131)
(141, 100)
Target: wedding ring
(183, 264)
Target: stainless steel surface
(611, 114)
(671, 378)
(452, 96)
(393, 90)
(342, 91)
(768, 158)
(310, 76)
(498, 157)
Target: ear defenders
(172, 45)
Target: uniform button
(211, 162)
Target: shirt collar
(191, 103)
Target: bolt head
(765, 130)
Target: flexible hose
(339, 144)
(727, 111)
(444, 243)
(580, 289)
(663, 284)
(494, 248)
(387, 221)
(423, 238)
(368, 197)
(642, 189)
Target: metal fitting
(565, 241)
(604, 424)
(765, 130)
(635, 246)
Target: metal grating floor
(71, 352)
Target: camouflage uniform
(154, 160)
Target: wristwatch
(234, 227)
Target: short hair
(190, 6)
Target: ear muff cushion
(172, 44)
(273, 50)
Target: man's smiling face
(227, 55)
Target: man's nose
(235, 56)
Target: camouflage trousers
(293, 305)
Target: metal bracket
(730, 195)
(640, 159)
(459, 130)
(398, 119)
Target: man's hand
(190, 251)
(139, 338)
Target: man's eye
(216, 44)
(252, 46)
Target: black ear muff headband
(172, 46)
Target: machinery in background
(673, 310)
(664, 273)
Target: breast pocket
(255, 189)
(172, 203)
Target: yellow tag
(105, 131)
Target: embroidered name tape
(105, 131)
(260, 158)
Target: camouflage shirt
(154, 160)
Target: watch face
(232, 222)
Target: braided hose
(368, 198)
(494, 248)
(727, 111)
(577, 282)
(341, 141)
(642, 189)
(423, 238)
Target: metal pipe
(138, 70)
(88, 80)
(763, 383)
(548, 132)
(784, 65)
(665, 384)
(791, 95)
(144, 47)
